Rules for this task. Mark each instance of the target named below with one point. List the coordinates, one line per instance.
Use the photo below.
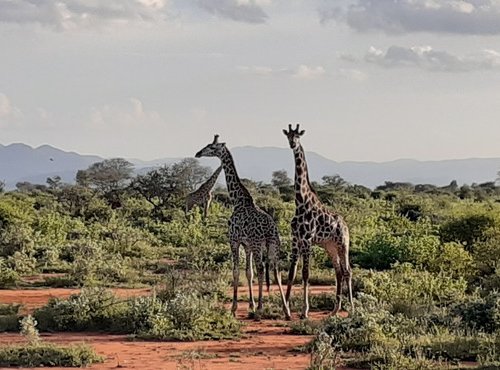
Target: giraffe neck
(304, 193)
(238, 194)
(209, 184)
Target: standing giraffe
(248, 226)
(203, 195)
(313, 223)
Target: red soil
(264, 345)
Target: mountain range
(21, 162)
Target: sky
(369, 80)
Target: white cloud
(305, 72)
(257, 70)
(353, 74)
(480, 17)
(69, 14)
(132, 114)
(427, 58)
(302, 72)
(9, 114)
(248, 11)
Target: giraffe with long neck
(248, 226)
(203, 195)
(313, 223)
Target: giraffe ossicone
(313, 223)
(250, 227)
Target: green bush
(480, 313)
(8, 276)
(467, 229)
(408, 289)
(46, 354)
(92, 309)
(9, 322)
(189, 317)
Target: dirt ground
(264, 345)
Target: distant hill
(259, 163)
(20, 162)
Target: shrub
(189, 317)
(92, 309)
(467, 229)
(37, 353)
(478, 313)
(8, 276)
(408, 289)
(45, 354)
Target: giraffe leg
(249, 272)
(235, 248)
(293, 268)
(286, 308)
(346, 268)
(273, 258)
(260, 275)
(305, 279)
(333, 251)
(338, 296)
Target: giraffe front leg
(249, 273)
(305, 279)
(235, 248)
(260, 276)
(293, 268)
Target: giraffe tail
(268, 279)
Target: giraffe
(248, 226)
(313, 223)
(203, 195)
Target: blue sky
(367, 79)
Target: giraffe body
(202, 197)
(313, 223)
(250, 227)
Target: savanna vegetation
(426, 266)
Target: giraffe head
(214, 149)
(293, 136)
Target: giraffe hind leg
(249, 273)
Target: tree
(158, 187)
(54, 182)
(335, 181)
(280, 179)
(106, 176)
(28, 187)
(189, 174)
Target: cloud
(9, 114)
(425, 57)
(475, 17)
(302, 72)
(352, 74)
(248, 11)
(129, 115)
(70, 14)
(305, 72)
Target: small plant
(325, 354)
(29, 330)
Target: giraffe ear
(302, 132)
(285, 132)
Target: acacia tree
(161, 187)
(106, 176)
(280, 179)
